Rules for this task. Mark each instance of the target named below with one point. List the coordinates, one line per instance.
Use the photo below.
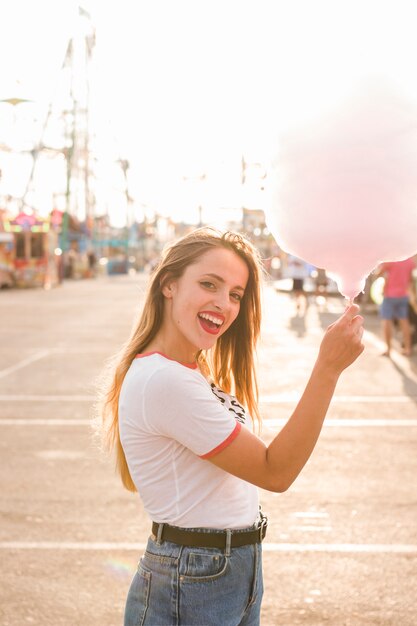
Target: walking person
(298, 270)
(395, 304)
(320, 282)
(181, 411)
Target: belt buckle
(262, 528)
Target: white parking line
(347, 548)
(353, 423)
(292, 398)
(69, 545)
(30, 359)
(358, 548)
(269, 423)
(46, 398)
(44, 422)
(276, 398)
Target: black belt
(209, 539)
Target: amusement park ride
(58, 223)
(39, 250)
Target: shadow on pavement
(297, 325)
(409, 385)
(326, 318)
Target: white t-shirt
(171, 419)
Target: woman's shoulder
(162, 381)
(164, 371)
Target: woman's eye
(207, 284)
(236, 296)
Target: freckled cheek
(182, 319)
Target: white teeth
(211, 318)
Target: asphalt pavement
(341, 548)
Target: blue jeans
(177, 585)
(394, 308)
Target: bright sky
(182, 88)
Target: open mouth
(210, 323)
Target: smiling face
(203, 303)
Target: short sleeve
(179, 404)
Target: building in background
(33, 251)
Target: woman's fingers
(351, 311)
(356, 328)
(357, 323)
(342, 343)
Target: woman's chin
(207, 342)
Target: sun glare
(186, 88)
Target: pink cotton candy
(344, 185)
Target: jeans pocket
(203, 566)
(138, 598)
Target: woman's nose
(221, 301)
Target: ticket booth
(35, 262)
(6, 260)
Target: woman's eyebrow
(221, 280)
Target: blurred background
(120, 128)
(124, 124)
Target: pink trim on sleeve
(141, 355)
(225, 443)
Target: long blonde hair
(230, 362)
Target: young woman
(174, 413)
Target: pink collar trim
(192, 366)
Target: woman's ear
(166, 284)
(166, 290)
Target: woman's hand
(342, 342)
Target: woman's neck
(168, 348)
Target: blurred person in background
(395, 304)
(320, 282)
(180, 411)
(298, 270)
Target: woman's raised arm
(275, 467)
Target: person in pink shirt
(398, 284)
